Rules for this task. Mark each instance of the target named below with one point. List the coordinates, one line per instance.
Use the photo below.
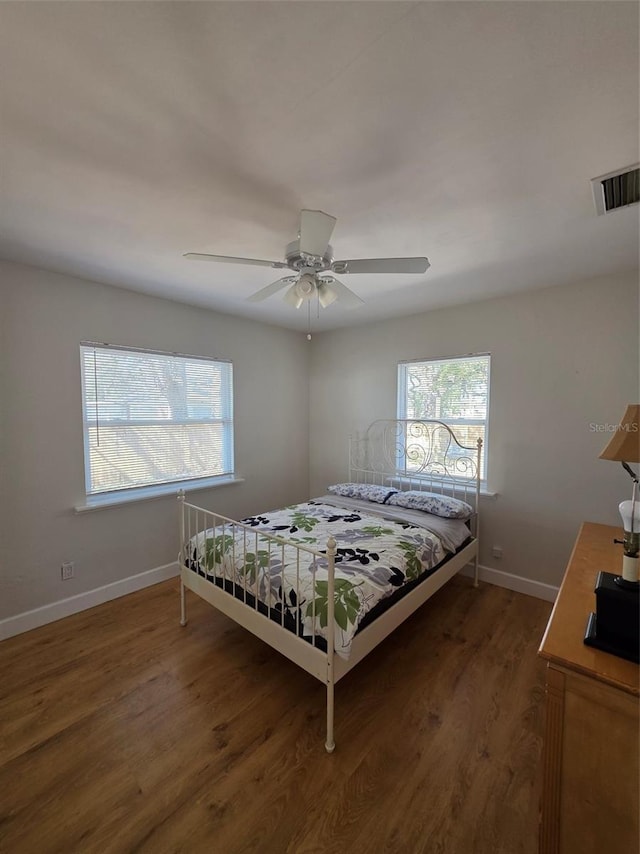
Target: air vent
(617, 189)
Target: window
(455, 391)
(154, 418)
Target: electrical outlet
(66, 570)
(496, 551)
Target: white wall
(562, 359)
(44, 316)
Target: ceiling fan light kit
(310, 285)
(311, 255)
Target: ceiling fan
(310, 257)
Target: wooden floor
(122, 732)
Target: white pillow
(431, 502)
(364, 491)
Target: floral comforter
(374, 558)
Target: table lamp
(624, 448)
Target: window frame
(109, 497)
(450, 422)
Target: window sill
(149, 493)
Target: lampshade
(326, 294)
(625, 442)
(292, 297)
(302, 291)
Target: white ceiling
(467, 132)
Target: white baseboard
(65, 607)
(74, 604)
(513, 582)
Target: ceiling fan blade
(228, 259)
(316, 228)
(339, 291)
(273, 288)
(382, 265)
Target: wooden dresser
(590, 784)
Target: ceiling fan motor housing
(298, 260)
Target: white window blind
(455, 391)
(154, 418)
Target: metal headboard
(416, 454)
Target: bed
(325, 581)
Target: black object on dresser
(615, 626)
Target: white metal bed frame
(409, 454)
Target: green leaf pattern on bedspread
(303, 521)
(413, 559)
(254, 562)
(372, 561)
(216, 548)
(377, 530)
(346, 601)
